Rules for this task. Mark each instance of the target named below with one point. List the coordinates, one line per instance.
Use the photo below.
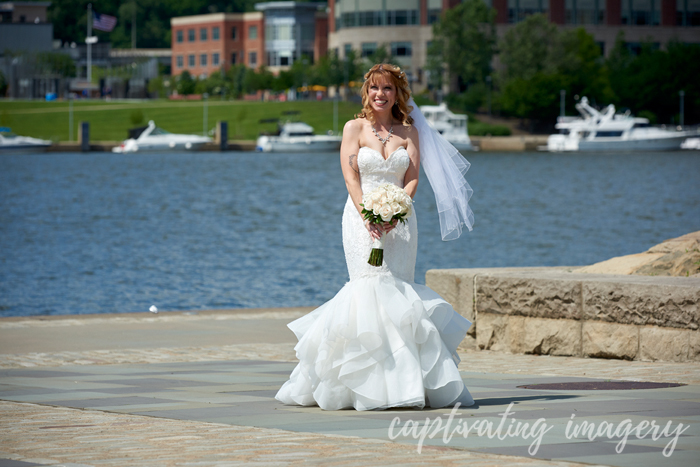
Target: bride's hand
(389, 226)
(374, 230)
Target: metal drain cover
(600, 386)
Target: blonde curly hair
(393, 74)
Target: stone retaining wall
(557, 312)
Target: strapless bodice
(375, 170)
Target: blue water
(106, 233)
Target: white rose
(396, 208)
(367, 203)
(386, 213)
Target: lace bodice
(400, 245)
(375, 170)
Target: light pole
(204, 116)
(70, 116)
(562, 100)
(335, 114)
(682, 95)
(488, 80)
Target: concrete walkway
(198, 389)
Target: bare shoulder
(409, 133)
(354, 126)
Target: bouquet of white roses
(385, 203)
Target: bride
(384, 341)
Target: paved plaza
(198, 389)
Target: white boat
(11, 143)
(297, 137)
(154, 138)
(452, 126)
(609, 131)
(691, 143)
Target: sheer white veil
(445, 168)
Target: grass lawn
(109, 121)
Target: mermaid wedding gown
(383, 341)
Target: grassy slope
(109, 121)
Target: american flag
(103, 22)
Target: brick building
(275, 36)
(203, 44)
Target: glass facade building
(289, 32)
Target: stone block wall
(557, 312)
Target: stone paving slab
(43, 435)
(197, 398)
(550, 410)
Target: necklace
(384, 140)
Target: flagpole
(89, 43)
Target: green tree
(538, 61)
(650, 81)
(529, 48)
(185, 83)
(236, 76)
(467, 36)
(381, 55)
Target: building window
(401, 17)
(584, 11)
(215, 59)
(282, 32)
(518, 10)
(401, 49)
(203, 60)
(434, 11)
(253, 32)
(252, 58)
(370, 18)
(688, 12)
(234, 33)
(640, 12)
(190, 61)
(403, 12)
(368, 48)
(347, 50)
(180, 61)
(179, 36)
(233, 58)
(190, 35)
(203, 34)
(215, 33)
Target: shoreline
(161, 313)
(484, 143)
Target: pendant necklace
(383, 140)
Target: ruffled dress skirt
(381, 342)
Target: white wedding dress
(383, 341)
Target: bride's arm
(410, 181)
(349, 148)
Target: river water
(108, 233)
